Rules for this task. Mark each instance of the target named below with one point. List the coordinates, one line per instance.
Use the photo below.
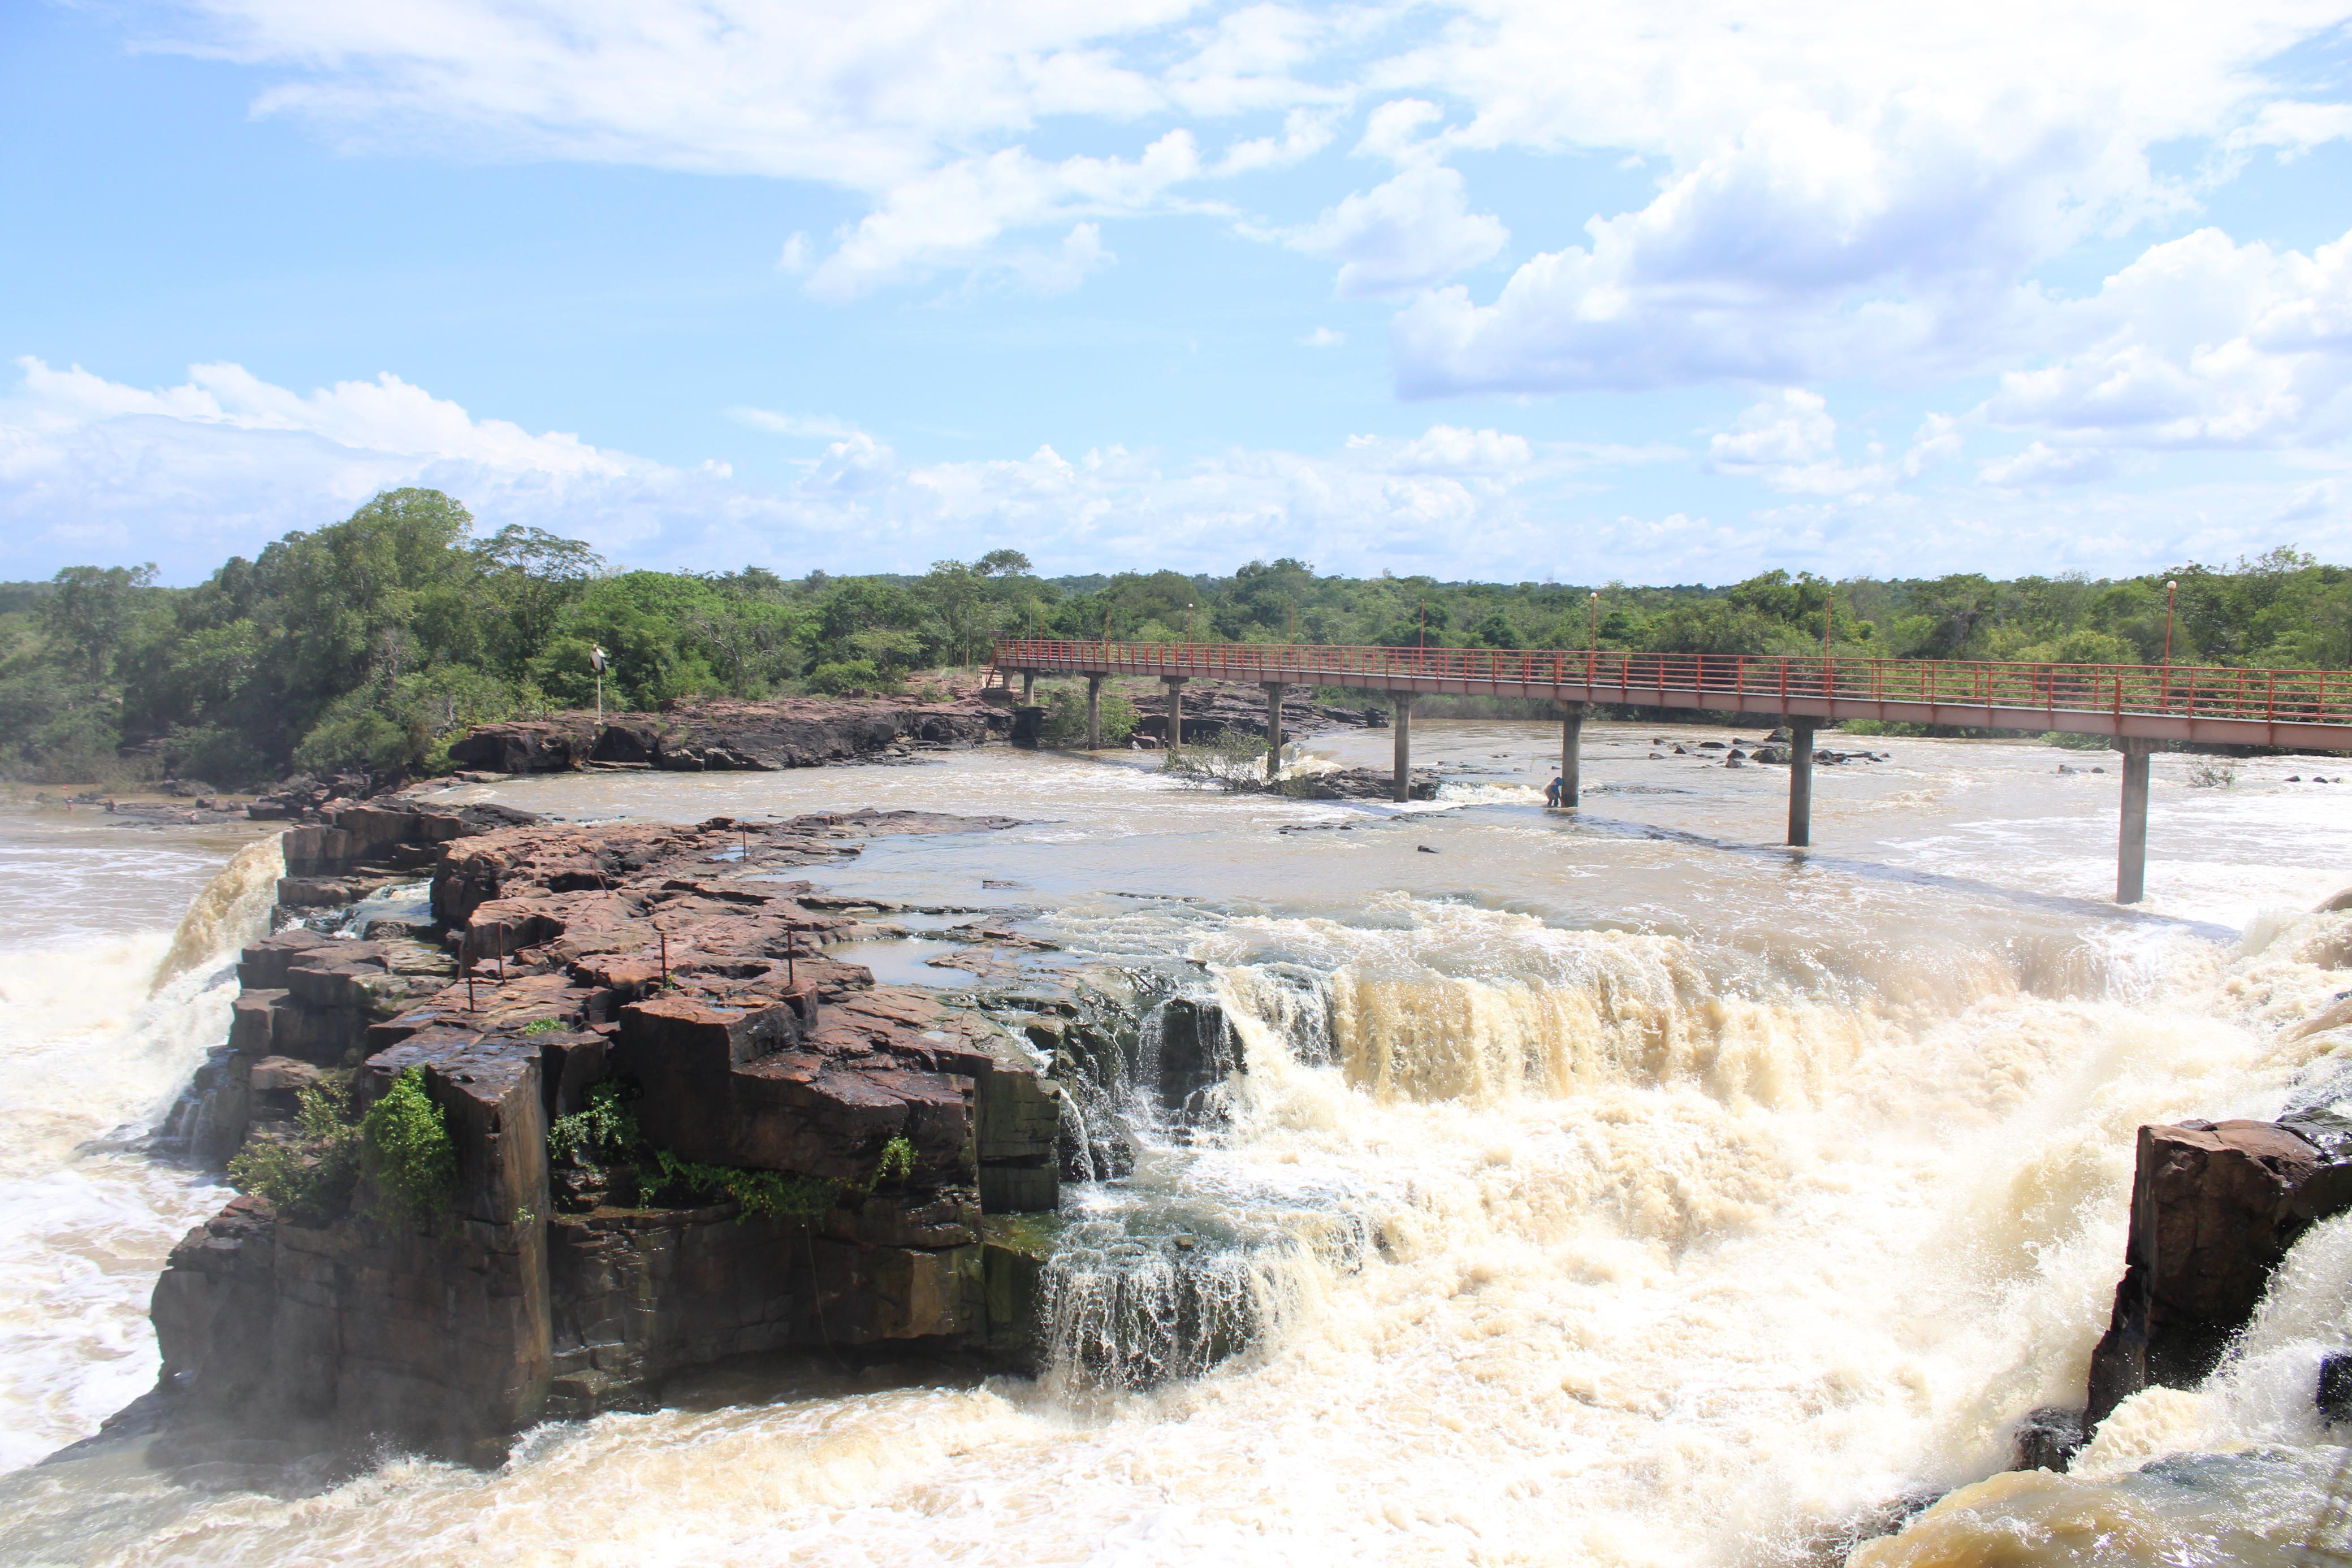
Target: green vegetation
(896, 1163)
(373, 641)
(542, 1026)
(770, 1195)
(602, 1138)
(407, 1154)
(603, 1130)
(1232, 759)
(1065, 718)
(312, 1177)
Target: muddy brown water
(1708, 1196)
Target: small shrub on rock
(407, 1154)
(309, 1177)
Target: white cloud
(1850, 189)
(2310, 503)
(922, 106)
(1448, 449)
(93, 469)
(1323, 338)
(1789, 442)
(821, 427)
(2201, 344)
(956, 216)
(2042, 463)
(1415, 230)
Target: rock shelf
(789, 1158)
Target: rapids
(1613, 1190)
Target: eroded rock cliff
(604, 1116)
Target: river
(1705, 1198)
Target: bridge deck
(2302, 709)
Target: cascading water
(103, 1031)
(1621, 1192)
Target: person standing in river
(1553, 791)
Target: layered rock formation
(2215, 1207)
(611, 1116)
(696, 736)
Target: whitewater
(1619, 1189)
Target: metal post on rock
(597, 658)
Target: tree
(85, 618)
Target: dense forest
(374, 640)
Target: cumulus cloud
(924, 107)
(2201, 344)
(1323, 338)
(1412, 231)
(95, 469)
(1848, 189)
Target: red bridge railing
(2175, 691)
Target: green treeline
(374, 640)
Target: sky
(1561, 290)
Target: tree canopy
(374, 640)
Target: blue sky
(1489, 290)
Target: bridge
(2136, 706)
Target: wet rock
(670, 962)
(1353, 784)
(732, 736)
(2215, 1207)
(2333, 1396)
(2048, 1438)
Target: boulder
(2215, 1207)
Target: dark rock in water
(1710, 745)
(2048, 1438)
(1774, 756)
(2215, 1207)
(2335, 1392)
(1835, 1543)
(1188, 1048)
(1353, 784)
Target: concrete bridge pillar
(1175, 684)
(1401, 725)
(2131, 841)
(1800, 782)
(1273, 690)
(1571, 753)
(1028, 685)
(1093, 713)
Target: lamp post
(596, 660)
(2170, 591)
(1187, 624)
(1592, 638)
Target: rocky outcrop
(675, 1132)
(2215, 1207)
(1358, 784)
(758, 737)
(1215, 708)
